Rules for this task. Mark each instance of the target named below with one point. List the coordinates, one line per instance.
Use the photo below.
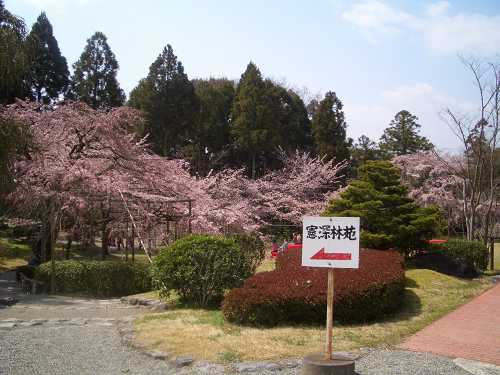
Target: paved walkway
(472, 331)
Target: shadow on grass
(411, 307)
(411, 283)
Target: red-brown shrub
(297, 294)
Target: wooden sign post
(329, 315)
(331, 242)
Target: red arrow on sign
(322, 255)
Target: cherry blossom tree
(84, 159)
(439, 179)
(301, 187)
(87, 165)
(478, 133)
(432, 182)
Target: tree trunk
(43, 240)
(492, 254)
(104, 241)
(68, 246)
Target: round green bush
(200, 268)
(97, 278)
(296, 294)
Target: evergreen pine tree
(48, 73)
(13, 62)
(329, 129)
(402, 138)
(389, 218)
(94, 79)
(168, 99)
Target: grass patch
(497, 256)
(228, 357)
(266, 265)
(204, 334)
(496, 262)
(13, 253)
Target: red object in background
(435, 240)
(274, 252)
(291, 246)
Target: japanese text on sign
(331, 231)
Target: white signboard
(330, 242)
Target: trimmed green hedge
(296, 294)
(97, 278)
(201, 267)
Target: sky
(379, 56)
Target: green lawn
(13, 253)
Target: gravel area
(391, 362)
(71, 350)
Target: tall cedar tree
(329, 129)
(292, 124)
(389, 218)
(94, 79)
(13, 62)
(288, 126)
(210, 147)
(402, 138)
(249, 127)
(48, 73)
(169, 102)
(266, 116)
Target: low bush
(457, 257)
(97, 278)
(200, 268)
(472, 255)
(296, 294)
